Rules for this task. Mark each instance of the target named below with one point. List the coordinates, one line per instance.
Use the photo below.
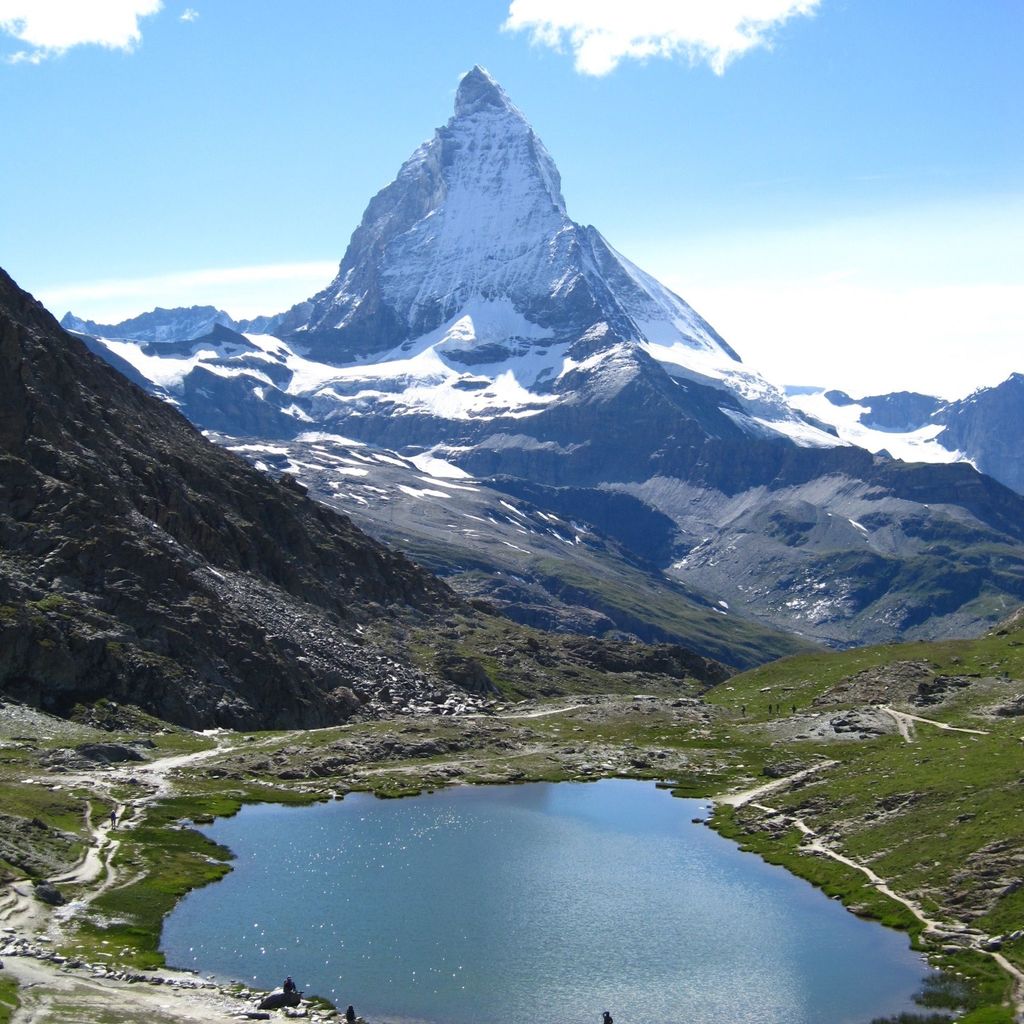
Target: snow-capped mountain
(474, 232)
(468, 293)
(473, 323)
(985, 429)
(181, 324)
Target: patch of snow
(804, 434)
(164, 371)
(433, 466)
(511, 508)
(425, 492)
(269, 449)
(298, 413)
(909, 446)
(313, 436)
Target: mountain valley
(493, 507)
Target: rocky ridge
(141, 562)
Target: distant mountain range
(474, 325)
(985, 429)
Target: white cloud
(52, 27)
(189, 14)
(602, 33)
(242, 291)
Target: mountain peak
(475, 225)
(477, 91)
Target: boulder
(109, 753)
(279, 999)
(49, 893)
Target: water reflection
(546, 902)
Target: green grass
(9, 1001)
(834, 879)
(635, 599)
(168, 861)
(921, 814)
(50, 603)
(61, 809)
(526, 663)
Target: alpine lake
(543, 902)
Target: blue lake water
(540, 903)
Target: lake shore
(567, 740)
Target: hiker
(606, 1018)
(113, 818)
(350, 1015)
(743, 710)
(289, 986)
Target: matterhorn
(475, 328)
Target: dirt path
(905, 722)
(1018, 984)
(51, 995)
(746, 796)
(543, 713)
(28, 915)
(938, 929)
(814, 844)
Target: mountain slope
(139, 562)
(142, 563)
(477, 214)
(599, 577)
(988, 426)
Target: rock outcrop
(142, 563)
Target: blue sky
(845, 203)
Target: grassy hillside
(926, 784)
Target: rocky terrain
(532, 562)
(141, 562)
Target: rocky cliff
(140, 562)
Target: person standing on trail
(113, 818)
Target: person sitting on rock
(606, 1018)
(289, 986)
(350, 1015)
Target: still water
(538, 903)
